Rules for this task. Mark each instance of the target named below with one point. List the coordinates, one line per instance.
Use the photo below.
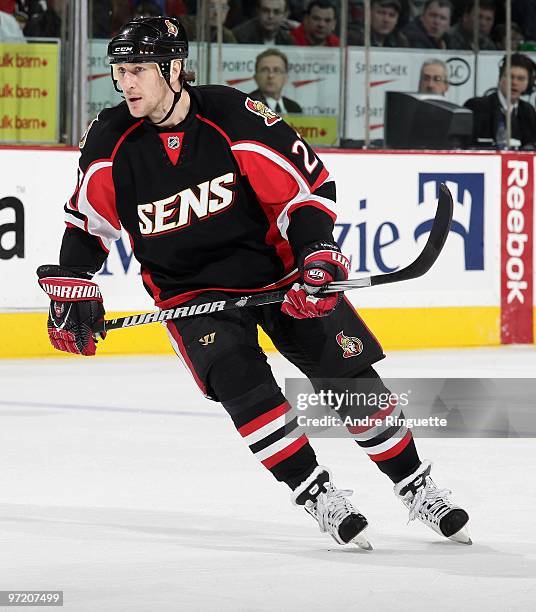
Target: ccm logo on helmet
(175, 212)
(124, 49)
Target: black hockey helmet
(149, 39)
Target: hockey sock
(386, 441)
(261, 416)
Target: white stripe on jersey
(97, 225)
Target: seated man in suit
(271, 75)
(490, 111)
(267, 28)
(434, 77)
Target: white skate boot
(431, 505)
(331, 508)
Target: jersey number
(310, 163)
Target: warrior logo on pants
(352, 347)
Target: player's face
(271, 76)
(383, 19)
(319, 24)
(436, 20)
(144, 87)
(433, 80)
(519, 84)
(272, 13)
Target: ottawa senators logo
(262, 110)
(351, 347)
(171, 28)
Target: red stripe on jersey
(286, 452)
(264, 419)
(395, 450)
(274, 188)
(73, 200)
(324, 175)
(103, 246)
(148, 280)
(381, 414)
(190, 295)
(278, 154)
(216, 127)
(180, 344)
(101, 195)
(123, 136)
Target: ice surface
(121, 485)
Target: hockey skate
(331, 509)
(431, 505)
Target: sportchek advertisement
(29, 92)
(387, 203)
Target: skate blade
(361, 540)
(461, 537)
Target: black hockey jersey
(224, 200)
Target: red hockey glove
(76, 315)
(319, 265)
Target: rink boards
(480, 292)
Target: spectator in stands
(430, 30)
(147, 8)
(318, 25)
(43, 19)
(9, 28)
(267, 27)
(461, 34)
(499, 37)
(434, 77)
(271, 76)
(217, 13)
(384, 16)
(489, 112)
(8, 6)
(524, 13)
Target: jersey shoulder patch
(237, 114)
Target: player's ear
(176, 67)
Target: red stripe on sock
(381, 414)
(264, 419)
(393, 452)
(285, 452)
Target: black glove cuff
(48, 270)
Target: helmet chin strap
(176, 97)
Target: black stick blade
(432, 248)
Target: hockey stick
(421, 265)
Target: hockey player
(219, 196)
